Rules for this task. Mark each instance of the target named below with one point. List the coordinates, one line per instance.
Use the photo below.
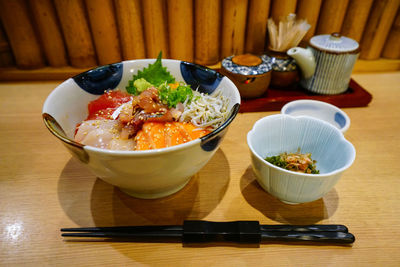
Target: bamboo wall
(86, 33)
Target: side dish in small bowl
(145, 126)
(298, 159)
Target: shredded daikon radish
(205, 110)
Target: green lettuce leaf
(155, 74)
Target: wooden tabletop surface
(42, 189)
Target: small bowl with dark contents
(250, 74)
(298, 159)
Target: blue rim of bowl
(340, 117)
(211, 79)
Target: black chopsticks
(197, 231)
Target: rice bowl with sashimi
(145, 125)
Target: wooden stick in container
(180, 29)
(104, 30)
(281, 8)
(130, 26)
(207, 31)
(392, 47)
(356, 18)
(75, 28)
(49, 31)
(331, 16)
(309, 10)
(21, 35)
(155, 28)
(233, 27)
(257, 21)
(378, 26)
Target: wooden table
(43, 189)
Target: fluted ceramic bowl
(320, 110)
(276, 134)
(144, 174)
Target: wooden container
(130, 26)
(21, 34)
(256, 30)
(207, 31)
(104, 30)
(77, 36)
(49, 31)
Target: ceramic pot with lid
(249, 73)
(327, 63)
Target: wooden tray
(275, 99)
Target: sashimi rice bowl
(146, 126)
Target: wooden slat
(6, 57)
(392, 45)
(331, 16)
(45, 17)
(309, 10)
(104, 30)
(356, 18)
(77, 36)
(207, 31)
(282, 8)
(130, 26)
(180, 29)
(233, 27)
(256, 31)
(21, 35)
(155, 28)
(378, 27)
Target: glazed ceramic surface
(144, 174)
(276, 134)
(320, 110)
(334, 59)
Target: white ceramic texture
(332, 62)
(320, 110)
(144, 174)
(280, 133)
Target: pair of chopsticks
(197, 231)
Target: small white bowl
(320, 110)
(276, 134)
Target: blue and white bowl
(144, 174)
(320, 110)
(276, 134)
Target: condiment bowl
(145, 174)
(276, 134)
(320, 110)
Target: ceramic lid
(334, 43)
(246, 65)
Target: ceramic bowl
(250, 74)
(144, 174)
(320, 110)
(276, 134)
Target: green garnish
(154, 74)
(141, 84)
(294, 162)
(173, 96)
